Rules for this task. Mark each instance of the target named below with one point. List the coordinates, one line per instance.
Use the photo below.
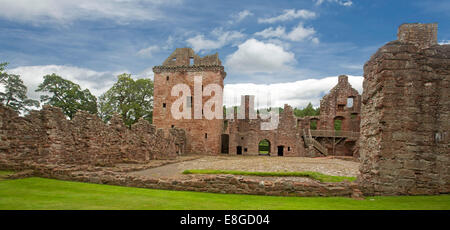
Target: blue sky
(259, 42)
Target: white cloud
(298, 33)
(96, 82)
(444, 42)
(296, 94)
(240, 16)
(66, 11)
(340, 2)
(254, 56)
(222, 38)
(148, 52)
(270, 32)
(289, 15)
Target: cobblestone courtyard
(330, 166)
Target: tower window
(164, 105)
(167, 78)
(350, 102)
(206, 136)
(189, 101)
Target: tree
(307, 111)
(15, 95)
(129, 98)
(67, 95)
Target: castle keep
(181, 67)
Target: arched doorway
(264, 147)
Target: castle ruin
(398, 128)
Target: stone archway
(264, 147)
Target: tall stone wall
(405, 124)
(46, 136)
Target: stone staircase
(310, 141)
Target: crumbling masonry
(47, 137)
(405, 124)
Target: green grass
(313, 175)
(39, 193)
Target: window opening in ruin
(225, 125)
(206, 136)
(340, 108)
(174, 59)
(164, 105)
(245, 149)
(313, 124)
(167, 78)
(173, 126)
(289, 148)
(191, 61)
(337, 124)
(350, 102)
(264, 147)
(353, 115)
(189, 101)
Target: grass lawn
(313, 175)
(40, 193)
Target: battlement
(187, 57)
(422, 35)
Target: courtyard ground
(325, 165)
(49, 194)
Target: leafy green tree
(15, 92)
(132, 99)
(307, 111)
(66, 95)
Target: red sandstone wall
(46, 136)
(404, 143)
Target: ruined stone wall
(203, 135)
(201, 183)
(405, 143)
(48, 137)
(335, 105)
(247, 134)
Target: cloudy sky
(290, 50)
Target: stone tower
(182, 67)
(405, 115)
